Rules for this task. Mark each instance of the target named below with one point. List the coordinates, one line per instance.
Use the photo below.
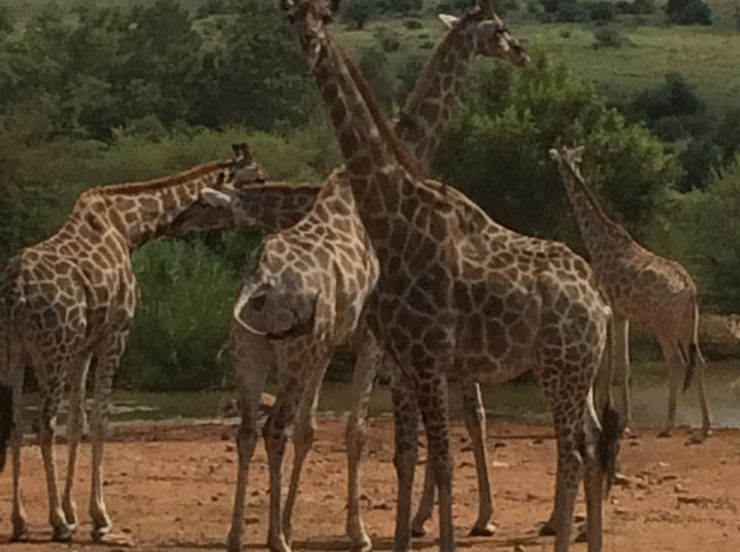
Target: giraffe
(642, 287)
(446, 299)
(69, 299)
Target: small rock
(497, 464)
(538, 441)
(211, 469)
(662, 464)
(381, 506)
(251, 520)
(230, 448)
(178, 519)
(621, 480)
(635, 443)
(499, 444)
(620, 511)
(668, 477)
(467, 464)
(127, 531)
(214, 498)
(519, 548)
(256, 492)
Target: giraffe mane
(161, 182)
(402, 155)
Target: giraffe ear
(215, 198)
(554, 155)
(449, 21)
(576, 154)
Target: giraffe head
(490, 34)
(308, 19)
(203, 215)
(568, 160)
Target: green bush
(601, 12)
(181, 324)
(608, 37)
(357, 14)
(496, 150)
(689, 12)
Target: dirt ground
(170, 488)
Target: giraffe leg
(676, 370)
(475, 420)
(706, 422)
(108, 359)
(406, 410)
(593, 479)
(303, 438)
(251, 378)
(434, 410)
(51, 391)
(621, 366)
(18, 515)
(366, 367)
(292, 386)
(426, 503)
(75, 422)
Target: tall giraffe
(478, 32)
(446, 299)
(642, 287)
(70, 298)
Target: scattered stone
(256, 492)
(381, 506)
(497, 464)
(519, 548)
(251, 520)
(621, 511)
(214, 498)
(499, 444)
(694, 500)
(230, 447)
(662, 464)
(668, 477)
(635, 443)
(467, 464)
(211, 469)
(680, 489)
(127, 531)
(538, 441)
(621, 480)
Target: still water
(522, 401)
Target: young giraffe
(446, 299)
(71, 298)
(641, 287)
(479, 32)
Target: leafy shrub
(359, 13)
(412, 24)
(674, 98)
(496, 150)
(601, 12)
(389, 39)
(689, 12)
(181, 324)
(608, 37)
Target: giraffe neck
(368, 148)
(140, 212)
(601, 235)
(428, 108)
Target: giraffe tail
(693, 357)
(611, 433)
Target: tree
(359, 13)
(689, 12)
(496, 150)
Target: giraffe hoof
(99, 533)
(63, 534)
(362, 546)
(488, 530)
(419, 531)
(20, 535)
(547, 530)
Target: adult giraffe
(641, 287)
(70, 298)
(447, 298)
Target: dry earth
(170, 488)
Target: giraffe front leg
(426, 503)
(51, 392)
(108, 359)
(367, 365)
(75, 422)
(303, 438)
(475, 421)
(251, 378)
(406, 418)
